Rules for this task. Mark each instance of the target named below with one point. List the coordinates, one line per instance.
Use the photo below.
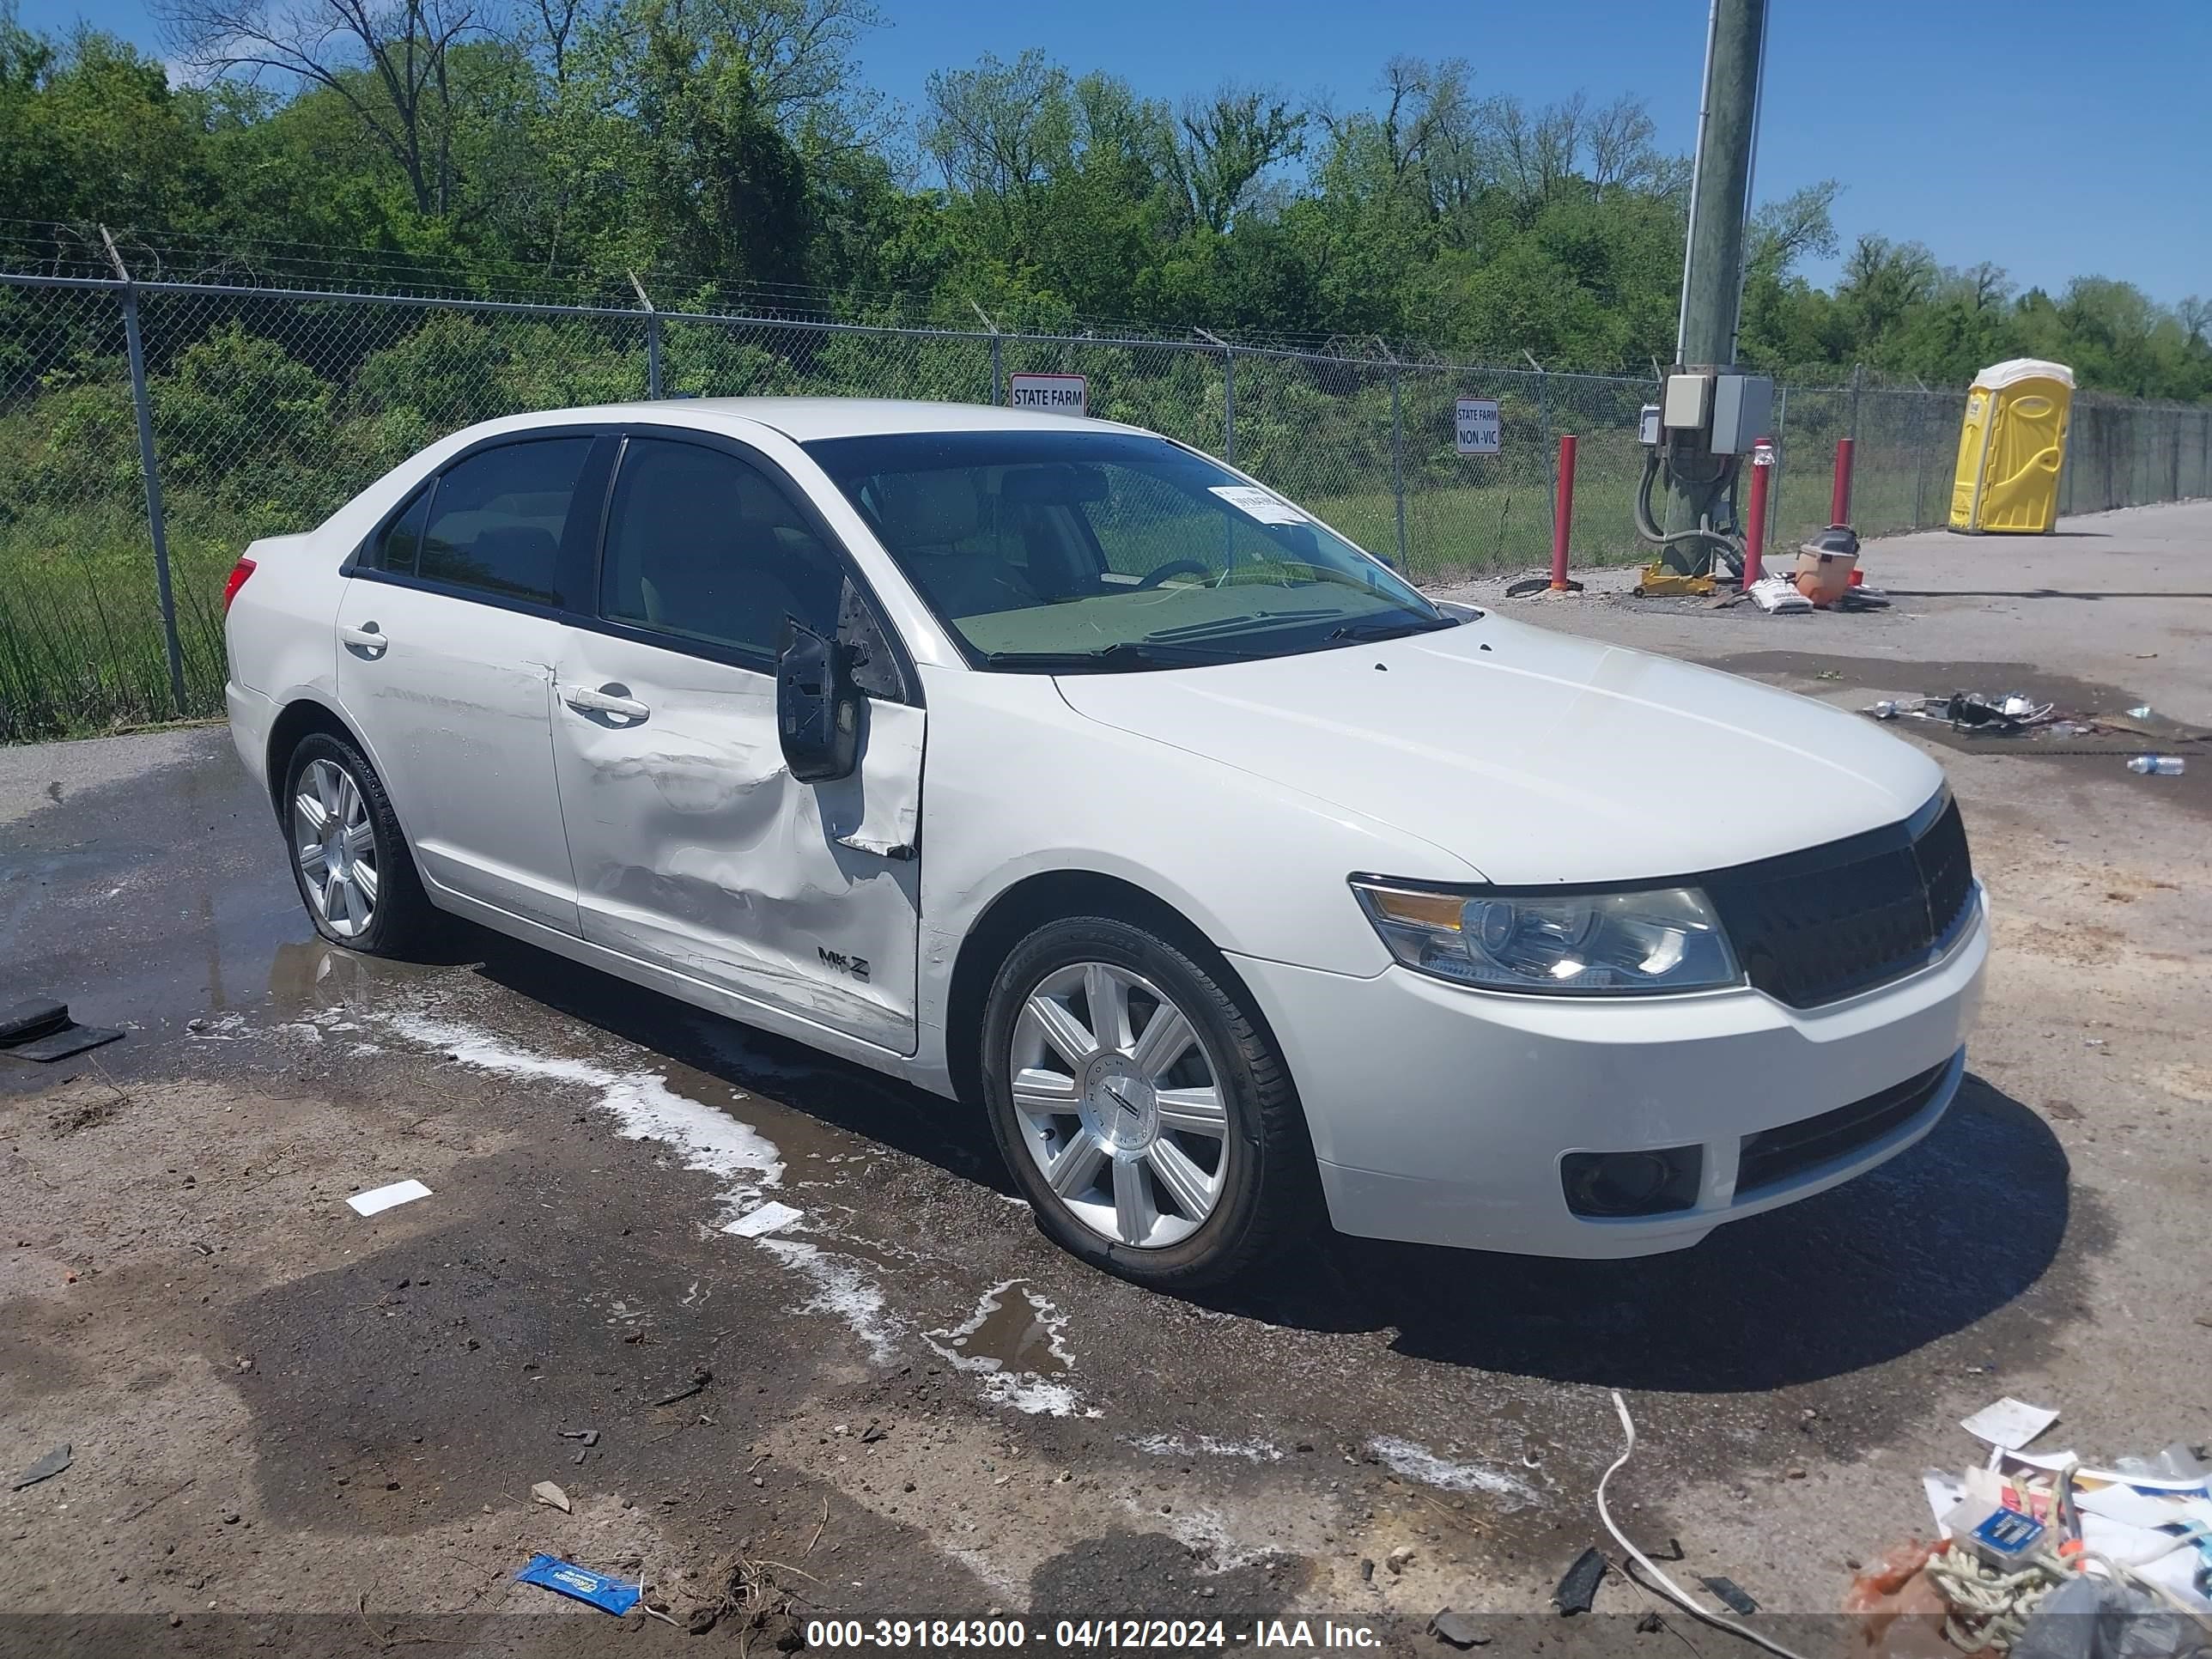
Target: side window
(703, 546)
(402, 539)
(496, 517)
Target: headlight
(1664, 939)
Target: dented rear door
(694, 848)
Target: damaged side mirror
(817, 706)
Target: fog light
(1632, 1183)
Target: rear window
(496, 519)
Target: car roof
(804, 419)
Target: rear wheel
(349, 858)
(1141, 1108)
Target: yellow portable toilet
(2011, 447)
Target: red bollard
(1754, 522)
(1839, 501)
(1562, 511)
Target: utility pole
(1712, 263)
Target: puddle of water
(1016, 1348)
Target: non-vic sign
(1056, 394)
(1474, 426)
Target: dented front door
(694, 849)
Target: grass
(80, 641)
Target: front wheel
(349, 858)
(1141, 1107)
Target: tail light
(238, 572)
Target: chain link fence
(265, 409)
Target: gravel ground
(325, 1429)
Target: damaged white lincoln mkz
(1055, 768)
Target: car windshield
(1087, 550)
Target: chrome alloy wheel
(336, 847)
(1120, 1105)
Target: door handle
(367, 639)
(613, 698)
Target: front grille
(1772, 1156)
(1812, 927)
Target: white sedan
(1067, 773)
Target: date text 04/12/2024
(1164, 1635)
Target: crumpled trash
(2094, 1618)
(602, 1590)
(2176, 1462)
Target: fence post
(652, 340)
(1397, 453)
(1781, 454)
(1920, 448)
(1228, 394)
(156, 523)
(1544, 436)
(1858, 380)
(998, 362)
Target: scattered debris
(771, 1217)
(1776, 594)
(2161, 766)
(746, 1592)
(1649, 1623)
(589, 1437)
(608, 1594)
(2009, 1423)
(46, 1468)
(700, 1376)
(40, 1029)
(1579, 1588)
(2018, 1531)
(552, 1497)
(1457, 1629)
(1673, 1591)
(1729, 1593)
(384, 1198)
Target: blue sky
(2057, 138)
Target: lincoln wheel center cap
(1122, 1105)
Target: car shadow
(1951, 1231)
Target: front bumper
(1440, 1116)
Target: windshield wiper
(1258, 622)
(1366, 633)
(1122, 654)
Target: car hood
(1534, 756)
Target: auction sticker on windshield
(1257, 503)
(1055, 394)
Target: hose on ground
(1673, 1591)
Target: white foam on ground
(1204, 1531)
(643, 1105)
(1417, 1462)
(842, 1289)
(1177, 1445)
(1027, 1391)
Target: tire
(1143, 1183)
(375, 871)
